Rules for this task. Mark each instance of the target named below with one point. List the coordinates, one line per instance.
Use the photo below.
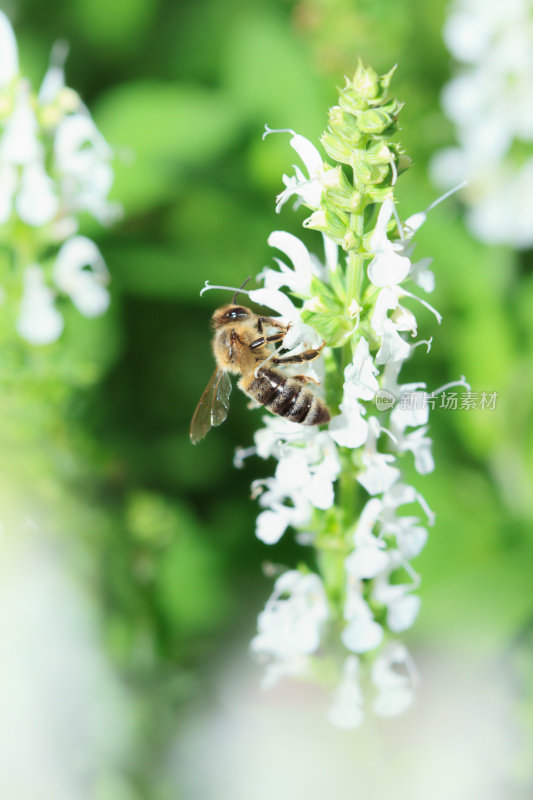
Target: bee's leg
(274, 323)
(300, 358)
(305, 379)
(276, 337)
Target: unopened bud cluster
(358, 138)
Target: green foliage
(159, 131)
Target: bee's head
(228, 314)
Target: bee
(241, 345)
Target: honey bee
(242, 346)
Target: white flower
(362, 633)
(388, 267)
(402, 605)
(346, 709)
(83, 162)
(349, 428)
(360, 376)
(298, 279)
(84, 286)
(291, 623)
(393, 347)
(272, 439)
(54, 80)
(304, 478)
(36, 202)
(395, 687)
(370, 556)
(490, 101)
(20, 143)
(39, 321)
(9, 66)
(378, 475)
(54, 163)
(308, 189)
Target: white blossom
(86, 287)
(308, 189)
(394, 677)
(388, 267)
(490, 102)
(303, 479)
(9, 65)
(39, 321)
(346, 708)
(289, 627)
(362, 632)
(54, 164)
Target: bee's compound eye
(237, 312)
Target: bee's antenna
(249, 278)
(228, 288)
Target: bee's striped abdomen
(287, 397)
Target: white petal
(270, 526)
(378, 477)
(379, 237)
(386, 300)
(362, 634)
(19, 144)
(308, 153)
(349, 428)
(36, 202)
(414, 414)
(411, 540)
(9, 66)
(367, 562)
(299, 255)
(54, 79)
(346, 710)
(86, 288)
(276, 300)
(393, 347)
(331, 253)
(388, 268)
(361, 374)
(403, 612)
(39, 321)
(77, 141)
(423, 276)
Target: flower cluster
(54, 166)
(340, 623)
(490, 102)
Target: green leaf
(158, 130)
(270, 74)
(118, 27)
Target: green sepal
(326, 311)
(374, 121)
(331, 222)
(337, 147)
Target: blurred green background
(163, 531)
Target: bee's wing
(213, 406)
